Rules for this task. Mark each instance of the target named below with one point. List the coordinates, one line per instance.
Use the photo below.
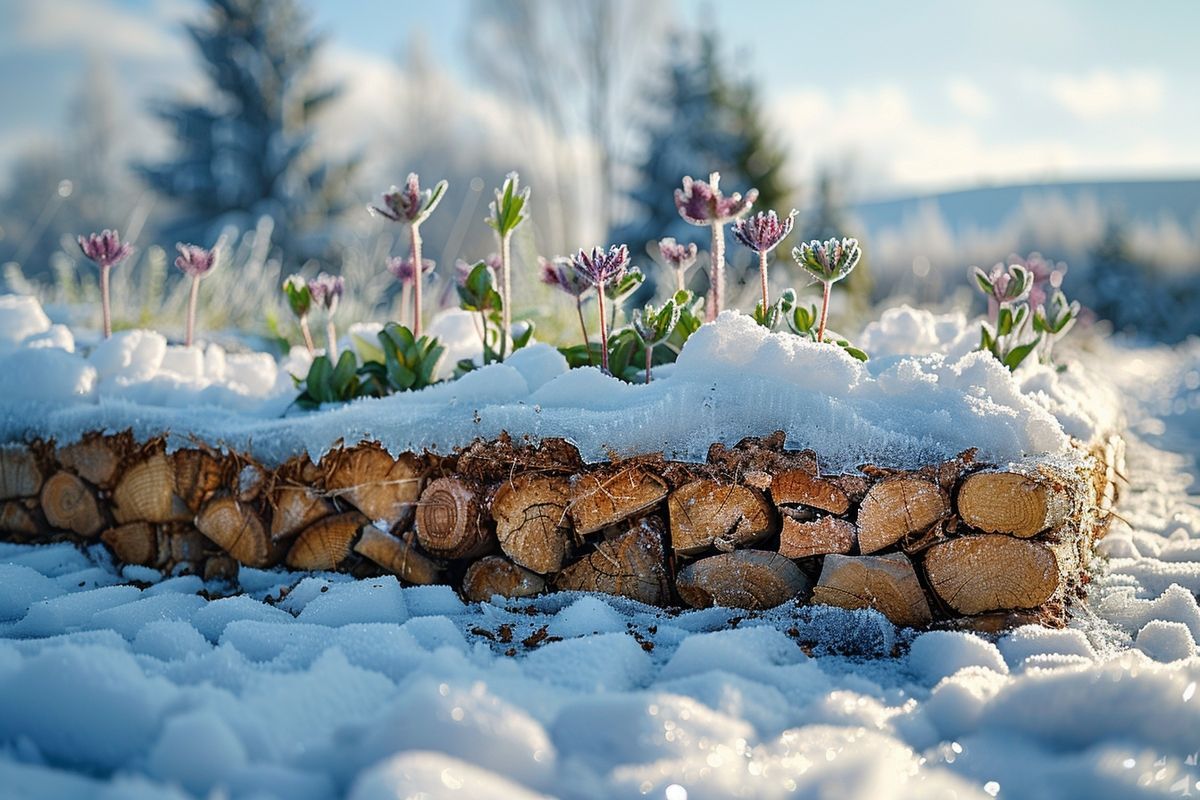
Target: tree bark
(749, 579)
(886, 583)
(398, 555)
(705, 514)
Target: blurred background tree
(247, 151)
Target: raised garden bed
(960, 542)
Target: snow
(923, 396)
(367, 689)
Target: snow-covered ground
(114, 688)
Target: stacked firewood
(756, 526)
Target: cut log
(94, 458)
(495, 575)
(20, 475)
(1017, 501)
(886, 583)
(992, 572)
(707, 514)
(70, 505)
(749, 579)
(327, 543)
(295, 508)
(450, 520)
(493, 461)
(238, 530)
(146, 492)
(630, 565)
(818, 537)
(383, 488)
(605, 498)
(896, 507)
(398, 555)
(531, 520)
(251, 480)
(796, 487)
(133, 543)
(197, 476)
(16, 519)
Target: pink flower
(105, 248)
(600, 268)
(195, 261)
(702, 203)
(401, 268)
(409, 204)
(763, 232)
(675, 255)
(327, 290)
(462, 269)
(562, 274)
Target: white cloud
(1104, 93)
(966, 96)
(100, 26)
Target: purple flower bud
(105, 248)
(601, 268)
(195, 261)
(327, 290)
(401, 268)
(702, 203)
(562, 274)
(675, 255)
(409, 204)
(763, 232)
(462, 269)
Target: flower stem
(417, 280)
(603, 331)
(717, 269)
(762, 270)
(191, 313)
(104, 306)
(308, 340)
(824, 312)
(649, 357)
(680, 282)
(583, 327)
(505, 290)
(331, 339)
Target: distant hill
(988, 207)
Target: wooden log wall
(959, 543)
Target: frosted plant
(299, 299)
(601, 269)
(679, 257)
(762, 233)
(196, 263)
(327, 291)
(402, 270)
(702, 204)
(106, 251)
(562, 275)
(1053, 320)
(506, 215)
(1006, 333)
(828, 262)
(654, 326)
(1003, 286)
(477, 294)
(412, 206)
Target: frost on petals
(105, 248)
(601, 268)
(195, 261)
(702, 203)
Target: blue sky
(920, 96)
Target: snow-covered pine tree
(247, 151)
(706, 121)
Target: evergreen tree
(709, 122)
(248, 152)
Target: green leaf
(855, 352)
(344, 373)
(1018, 354)
(317, 384)
(523, 338)
(366, 350)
